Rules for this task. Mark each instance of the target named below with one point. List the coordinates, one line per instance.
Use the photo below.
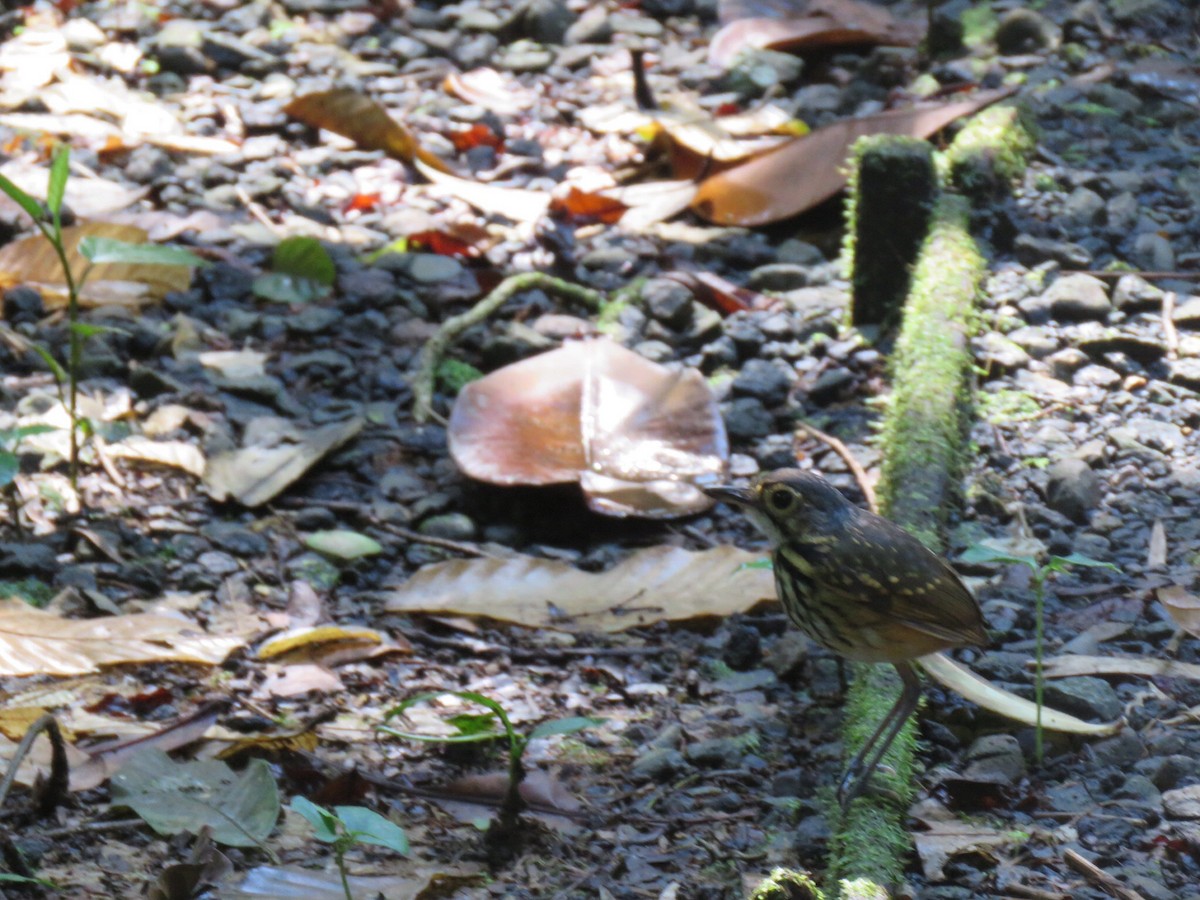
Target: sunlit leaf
(343, 544)
(57, 186)
(571, 725)
(27, 203)
(324, 823)
(98, 249)
(369, 827)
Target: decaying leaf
(87, 197)
(949, 836)
(636, 436)
(33, 642)
(256, 474)
(1068, 666)
(1182, 606)
(32, 260)
(490, 90)
(177, 454)
(353, 115)
(659, 584)
(328, 645)
(415, 880)
(519, 204)
(811, 169)
(966, 683)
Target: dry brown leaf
(32, 261)
(811, 169)
(659, 584)
(87, 197)
(413, 878)
(1183, 607)
(949, 836)
(33, 642)
(326, 644)
(489, 89)
(353, 115)
(1156, 554)
(295, 680)
(637, 436)
(177, 454)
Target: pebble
(1182, 803)
(717, 753)
(767, 380)
(1084, 696)
(658, 764)
(746, 418)
(1079, 297)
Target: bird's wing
(886, 571)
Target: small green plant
(981, 553)
(301, 271)
(347, 826)
(95, 250)
(10, 463)
(492, 725)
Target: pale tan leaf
(295, 680)
(487, 88)
(948, 835)
(811, 169)
(410, 879)
(75, 125)
(33, 642)
(177, 454)
(965, 683)
(1070, 666)
(88, 197)
(518, 204)
(1183, 607)
(253, 475)
(235, 363)
(1156, 553)
(659, 584)
(33, 261)
(199, 144)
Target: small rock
(658, 764)
(1168, 771)
(1134, 292)
(778, 277)
(1084, 696)
(717, 753)
(1032, 251)
(1022, 30)
(995, 758)
(758, 70)
(1182, 803)
(1079, 297)
(235, 539)
(1154, 252)
(746, 418)
(1072, 488)
(788, 653)
(1036, 340)
(23, 304)
(1186, 313)
(999, 352)
(450, 526)
(767, 380)
(1084, 207)
(216, 562)
(546, 21)
(669, 302)
(1097, 376)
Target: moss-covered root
(991, 152)
(923, 428)
(785, 884)
(870, 842)
(922, 441)
(893, 187)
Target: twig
(1149, 276)
(1099, 877)
(448, 331)
(90, 828)
(1168, 321)
(467, 549)
(856, 469)
(55, 789)
(259, 213)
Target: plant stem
(339, 857)
(1039, 595)
(76, 345)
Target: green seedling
(48, 220)
(981, 553)
(347, 826)
(489, 726)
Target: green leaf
(14, 436)
(280, 288)
(9, 467)
(1062, 563)
(980, 553)
(470, 697)
(475, 723)
(441, 738)
(397, 246)
(60, 168)
(59, 373)
(369, 827)
(454, 374)
(110, 250)
(87, 330)
(324, 822)
(570, 725)
(764, 563)
(344, 545)
(304, 257)
(22, 199)
(21, 879)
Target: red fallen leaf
(724, 296)
(586, 206)
(361, 203)
(727, 109)
(478, 135)
(809, 170)
(444, 244)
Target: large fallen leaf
(32, 261)
(353, 115)
(1068, 666)
(811, 169)
(821, 24)
(966, 683)
(33, 642)
(490, 90)
(88, 197)
(239, 808)
(254, 475)
(659, 584)
(420, 880)
(177, 454)
(949, 836)
(636, 436)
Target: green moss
(786, 884)
(991, 151)
(31, 590)
(454, 374)
(979, 25)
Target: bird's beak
(727, 493)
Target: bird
(860, 586)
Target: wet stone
(1085, 696)
(995, 758)
(216, 562)
(743, 648)
(1182, 803)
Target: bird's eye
(780, 499)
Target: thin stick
(856, 469)
(1168, 321)
(1149, 276)
(448, 331)
(1099, 877)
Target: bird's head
(789, 503)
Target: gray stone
(1072, 488)
(1134, 292)
(778, 277)
(1168, 771)
(593, 27)
(450, 526)
(1097, 376)
(658, 764)
(995, 758)
(1036, 340)
(546, 21)
(746, 418)
(1186, 313)
(235, 539)
(218, 563)
(669, 302)
(718, 753)
(1121, 213)
(767, 380)
(1083, 207)
(1066, 362)
(1084, 696)
(431, 268)
(756, 70)
(998, 352)
(1032, 251)
(1079, 297)
(1182, 803)
(1022, 30)
(1154, 252)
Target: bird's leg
(857, 774)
